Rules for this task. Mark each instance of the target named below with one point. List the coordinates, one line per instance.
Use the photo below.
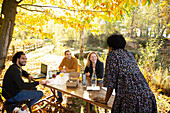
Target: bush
(156, 76)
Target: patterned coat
(133, 94)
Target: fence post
(34, 47)
(13, 50)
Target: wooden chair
(9, 106)
(79, 68)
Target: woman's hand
(100, 100)
(88, 74)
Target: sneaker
(22, 111)
(16, 109)
(60, 99)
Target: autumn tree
(33, 15)
(149, 21)
(164, 17)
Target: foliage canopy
(34, 15)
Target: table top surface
(82, 93)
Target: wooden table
(81, 93)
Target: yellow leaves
(118, 17)
(77, 3)
(121, 12)
(96, 7)
(34, 30)
(155, 1)
(131, 1)
(1, 1)
(103, 4)
(150, 1)
(144, 2)
(40, 31)
(136, 3)
(84, 2)
(86, 26)
(0, 90)
(92, 31)
(111, 7)
(60, 2)
(87, 18)
(68, 14)
(108, 10)
(159, 90)
(164, 3)
(109, 13)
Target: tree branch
(19, 1)
(68, 3)
(31, 9)
(49, 14)
(60, 8)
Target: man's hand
(43, 82)
(63, 71)
(30, 78)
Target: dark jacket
(99, 69)
(13, 82)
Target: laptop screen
(44, 69)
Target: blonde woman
(93, 61)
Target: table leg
(105, 110)
(53, 91)
(88, 107)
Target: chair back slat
(7, 93)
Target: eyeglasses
(68, 54)
(93, 56)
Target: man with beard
(16, 87)
(69, 63)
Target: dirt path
(42, 55)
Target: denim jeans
(59, 93)
(33, 95)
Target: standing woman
(122, 73)
(94, 62)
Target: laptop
(43, 72)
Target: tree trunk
(132, 27)
(7, 20)
(141, 30)
(158, 20)
(135, 31)
(147, 33)
(163, 30)
(81, 45)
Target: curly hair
(116, 41)
(17, 55)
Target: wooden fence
(13, 49)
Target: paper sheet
(93, 88)
(58, 80)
